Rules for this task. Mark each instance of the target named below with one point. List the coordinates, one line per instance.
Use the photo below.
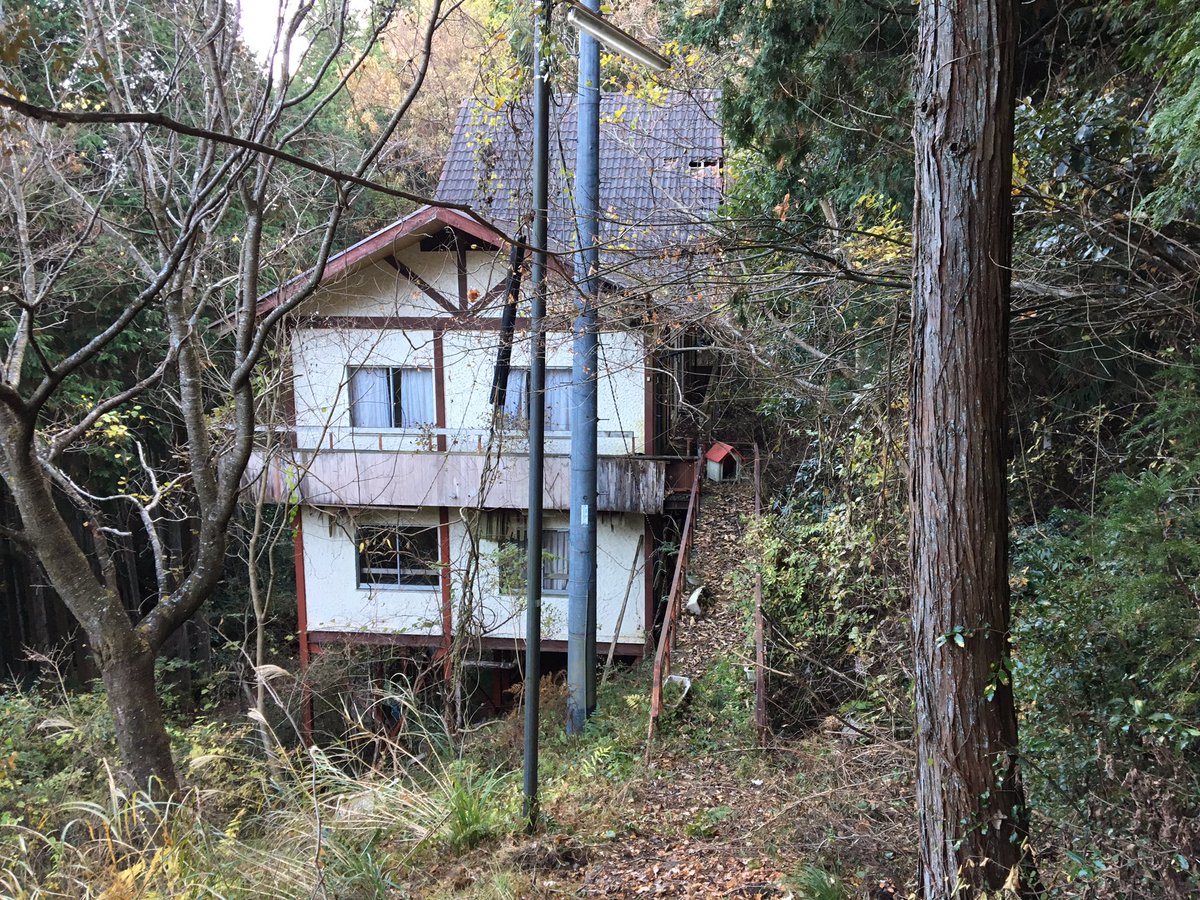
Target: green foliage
(610, 749)
(480, 805)
(1160, 38)
(707, 823)
(49, 753)
(719, 709)
(831, 564)
(1108, 614)
(814, 883)
(818, 91)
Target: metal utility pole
(581, 578)
(537, 404)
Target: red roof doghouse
(722, 462)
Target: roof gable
(431, 226)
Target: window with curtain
(514, 553)
(516, 396)
(557, 416)
(555, 554)
(558, 400)
(388, 397)
(398, 557)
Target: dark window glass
(398, 557)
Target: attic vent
(706, 163)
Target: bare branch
(81, 117)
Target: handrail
(760, 654)
(666, 638)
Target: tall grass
(316, 822)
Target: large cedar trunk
(972, 809)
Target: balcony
(362, 477)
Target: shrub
(1107, 641)
(833, 563)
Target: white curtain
(555, 553)
(558, 400)
(516, 396)
(417, 406)
(370, 397)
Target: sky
(260, 18)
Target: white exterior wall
(321, 355)
(333, 599)
(335, 602)
(616, 542)
(378, 289)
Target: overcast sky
(259, 18)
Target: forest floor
(710, 814)
(705, 813)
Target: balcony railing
(416, 478)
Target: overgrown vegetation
(1105, 495)
(1107, 660)
(304, 820)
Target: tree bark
(973, 820)
(128, 674)
(123, 654)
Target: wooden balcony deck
(399, 478)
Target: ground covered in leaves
(710, 818)
(426, 814)
(708, 814)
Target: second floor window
(398, 557)
(389, 397)
(558, 395)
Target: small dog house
(722, 462)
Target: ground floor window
(513, 553)
(398, 556)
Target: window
(383, 397)
(398, 557)
(555, 554)
(558, 394)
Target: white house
(412, 486)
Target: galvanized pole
(537, 403)
(581, 581)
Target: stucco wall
(377, 289)
(332, 596)
(336, 603)
(322, 404)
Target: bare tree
(148, 136)
(973, 818)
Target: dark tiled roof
(660, 172)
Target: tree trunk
(123, 654)
(128, 675)
(972, 810)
